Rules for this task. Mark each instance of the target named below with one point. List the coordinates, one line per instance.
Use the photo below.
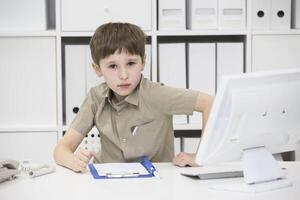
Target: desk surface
(65, 184)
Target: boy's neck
(117, 98)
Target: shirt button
(124, 140)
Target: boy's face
(121, 71)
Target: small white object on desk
(36, 169)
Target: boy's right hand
(81, 159)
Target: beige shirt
(149, 108)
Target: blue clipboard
(145, 162)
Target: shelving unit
(57, 32)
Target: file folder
(296, 14)
(172, 64)
(261, 14)
(92, 141)
(91, 77)
(171, 15)
(177, 147)
(202, 71)
(143, 169)
(75, 62)
(147, 69)
(80, 77)
(191, 144)
(232, 14)
(202, 14)
(27, 15)
(230, 59)
(280, 14)
(74, 15)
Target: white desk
(65, 184)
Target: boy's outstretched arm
(64, 152)
(203, 104)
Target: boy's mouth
(124, 85)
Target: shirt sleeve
(84, 119)
(170, 100)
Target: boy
(133, 115)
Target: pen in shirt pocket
(134, 130)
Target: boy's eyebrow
(110, 62)
(132, 58)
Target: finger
(93, 153)
(182, 162)
(79, 162)
(83, 157)
(178, 161)
(86, 153)
(80, 169)
(183, 159)
(178, 157)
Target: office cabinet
(28, 82)
(36, 147)
(270, 52)
(38, 72)
(87, 15)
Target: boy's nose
(123, 73)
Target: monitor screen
(252, 110)
(254, 115)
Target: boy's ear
(97, 69)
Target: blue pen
(149, 166)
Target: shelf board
(28, 33)
(87, 33)
(276, 32)
(176, 127)
(201, 32)
(187, 126)
(77, 33)
(164, 33)
(29, 129)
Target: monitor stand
(261, 173)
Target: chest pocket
(145, 136)
(141, 127)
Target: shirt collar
(132, 98)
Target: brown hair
(110, 37)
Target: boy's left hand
(185, 159)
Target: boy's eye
(131, 63)
(113, 66)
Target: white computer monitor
(254, 115)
